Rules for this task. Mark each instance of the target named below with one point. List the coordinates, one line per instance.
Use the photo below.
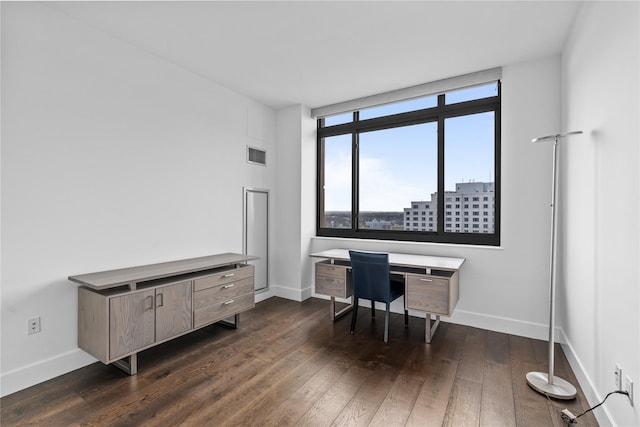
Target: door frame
(245, 191)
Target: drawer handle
(228, 275)
(230, 285)
(159, 300)
(228, 302)
(426, 280)
(150, 301)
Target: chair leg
(373, 309)
(354, 315)
(386, 324)
(406, 318)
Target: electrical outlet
(33, 326)
(628, 387)
(618, 377)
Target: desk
(431, 283)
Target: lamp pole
(547, 383)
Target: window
(380, 164)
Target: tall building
(469, 209)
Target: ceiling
(317, 53)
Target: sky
(399, 165)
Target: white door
(256, 234)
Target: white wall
(600, 203)
(111, 157)
(506, 288)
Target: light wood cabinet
(432, 293)
(334, 279)
(136, 319)
(118, 317)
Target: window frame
(436, 114)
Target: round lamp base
(560, 389)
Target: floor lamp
(549, 384)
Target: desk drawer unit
(333, 280)
(221, 295)
(436, 294)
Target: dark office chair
(372, 280)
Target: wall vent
(256, 156)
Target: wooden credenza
(431, 283)
(122, 312)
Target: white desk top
(402, 260)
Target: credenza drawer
(210, 296)
(428, 293)
(223, 277)
(222, 308)
(333, 280)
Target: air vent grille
(256, 156)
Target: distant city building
(378, 225)
(469, 209)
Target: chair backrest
(370, 275)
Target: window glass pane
(338, 119)
(469, 166)
(471, 93)
(399, 107)
(398, 170)
(336, 193)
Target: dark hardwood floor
(288, 364)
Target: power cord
(571, 419)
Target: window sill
(348, 240)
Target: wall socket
(628, 387)
(33, 326)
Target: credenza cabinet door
(131, 322)
(173, 310)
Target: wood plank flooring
(289, 365)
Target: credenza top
(143, 273)
(401, 260)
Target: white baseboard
(503, 324)
(483, 321)
(39, 372)
(593, 397)
(264, 295)
(292, 294)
